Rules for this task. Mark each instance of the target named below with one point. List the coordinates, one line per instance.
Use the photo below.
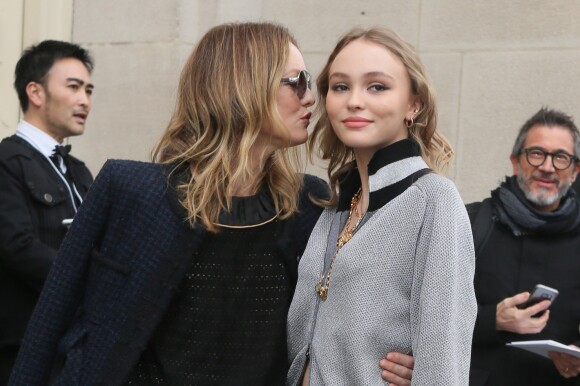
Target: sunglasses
(300, 83)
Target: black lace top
(227, 325)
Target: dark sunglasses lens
(302, 84)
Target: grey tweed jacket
(404, 282)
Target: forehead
(550, 138)
(63, 69)
(295, 61)
(363, 56)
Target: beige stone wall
(11, 13)
(22, 23)
(494, 64)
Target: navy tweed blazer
(116, 273)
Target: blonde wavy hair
(227, 94)
(435, 149)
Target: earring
(409, 123)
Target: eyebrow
(80, 82)
(342, 75)
(559, 150)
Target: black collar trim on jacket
(391, 171)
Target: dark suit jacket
(33, 203)
(116, 273)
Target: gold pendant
(321, 291)
(345, 238)
(318, 286)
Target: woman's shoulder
(130, 169)
(127, 173)
(315, 187)
(439, 188)
(435, 181)
(122, 165)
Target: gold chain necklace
(324, 282)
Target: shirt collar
(41, 141)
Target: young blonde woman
(181, 272)
(389, 265)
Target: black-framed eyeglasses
(300, 82)
(561, 160)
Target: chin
(78, 130)
(298, 140)
(542, 198)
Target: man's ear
(36, 94)
(514, 160)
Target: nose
(548, 165)
(85, 100)
(355, 100)
(308, 98)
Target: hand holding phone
(509, 316)
(539, 293)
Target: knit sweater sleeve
(443, 305)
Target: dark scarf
(513, 209)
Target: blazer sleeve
(443, 305)
(22, 252)
(64, 286)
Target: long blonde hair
(435, 149)
(227, 93)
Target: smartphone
(540, 292)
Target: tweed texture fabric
(403, 283)
(119, 267)
(227, 323)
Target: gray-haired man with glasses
(527, 233)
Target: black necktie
(63, 152)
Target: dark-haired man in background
(41, 185)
